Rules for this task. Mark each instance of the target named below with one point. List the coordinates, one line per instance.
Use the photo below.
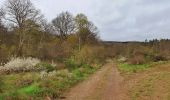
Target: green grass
(124, 67)
(12, 87)
(130, 68)
(30, 90)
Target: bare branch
(64, 24)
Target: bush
(45, 66)
(122, 59)
(45, 74)
(59, 74)
(69, 63)
(20, 65)
(63, 73)
(78, 75)
(72, 64)
(137, 59)
(91, 54)
(159, 58)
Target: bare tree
(64, 24)
(19, 12)
(2, 13)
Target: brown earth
(106, 84)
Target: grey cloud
(117, 20)
(140, 19)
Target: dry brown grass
(152, 84)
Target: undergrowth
(32, 85)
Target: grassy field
(131, 68)
(147, 81)
(33, 85)
(155, 86)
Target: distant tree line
(147, 51)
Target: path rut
(105, 84)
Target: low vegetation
(130, 68)
(134, 68)
(38, 85)
(20, 65)
(146, 81)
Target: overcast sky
(117, 20)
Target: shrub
(78, 75)
(159, 58)
(137, 59)
(45, 74)
(70, 63)
(20, 65)
(122, 59)
(60, 75)
(45, 66)
(91, 54)
(63, 73)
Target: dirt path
(106, 84)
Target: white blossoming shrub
(20, 64)
(45, 74)
(122, 59)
